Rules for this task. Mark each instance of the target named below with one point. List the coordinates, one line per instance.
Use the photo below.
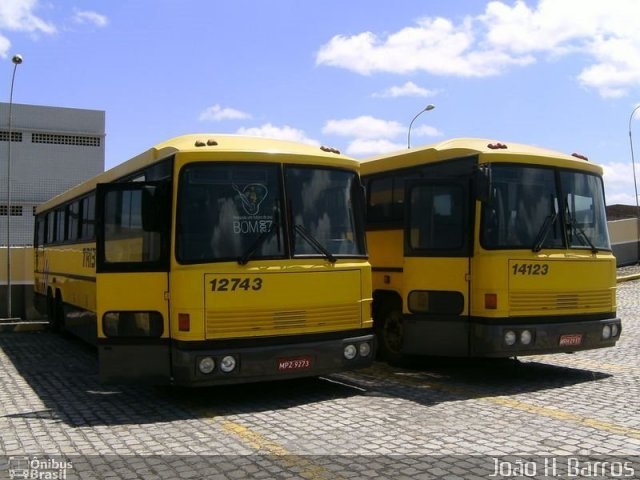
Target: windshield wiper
(573, 223)
(244, 259)
(544, 231)
(314, 243)
(275, 226)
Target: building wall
(624, 240)
(52, 149)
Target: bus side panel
(130, 350)
(436, 306)
(135, 363)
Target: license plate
(294, 363)
(572, 340)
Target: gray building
(52, 149)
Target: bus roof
(202, 143)
(464, 147)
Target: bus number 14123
(530, 268)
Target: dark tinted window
(437, 218)
(88, 215)
(324, 204)
(226, 210)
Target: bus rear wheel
(390, 332)
(55, 313)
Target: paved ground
(562, 416)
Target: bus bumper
(261, 363)
(518, 339)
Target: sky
(560, 74)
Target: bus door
(132, 271)
(437, 247)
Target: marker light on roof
(330, 149)
(210, 143)
(496, 146)
(580, 156)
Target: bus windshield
(238, 211)
(537, 207)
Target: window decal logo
(251, 196)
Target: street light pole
(635, 186)
(17, 60)
(425, 109)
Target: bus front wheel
(390, 332)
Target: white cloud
(364, 127)
(434, 45)
(618, 182)
(604, 34)
(426, 131)
(18, 15)
(373, 135)
(409, 89)
(94, 18)
(603, 31)
(5, 45)
(282, 133)
(363, 147)
(217, 113)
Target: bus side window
(437, 216)
(380, 200)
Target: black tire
(59, 313)
(51, 313)
(55, 313)
(390, 335)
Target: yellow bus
(486, 249)
(212, 259)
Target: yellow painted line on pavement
(559, 414)
(549, 412)
(304, 467)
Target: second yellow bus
(482, 248)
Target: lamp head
(431, 106)
(17, 59)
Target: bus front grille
(545, 302)
(261, 322)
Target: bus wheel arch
(388, 324)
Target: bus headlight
(364, 349)
(228, 364)
(510, 337)
(206, 365)
(526, 337)
(606, 332)
(350, 352)
(614, 330)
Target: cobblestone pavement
(553, 416)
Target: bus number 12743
(233, 284)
